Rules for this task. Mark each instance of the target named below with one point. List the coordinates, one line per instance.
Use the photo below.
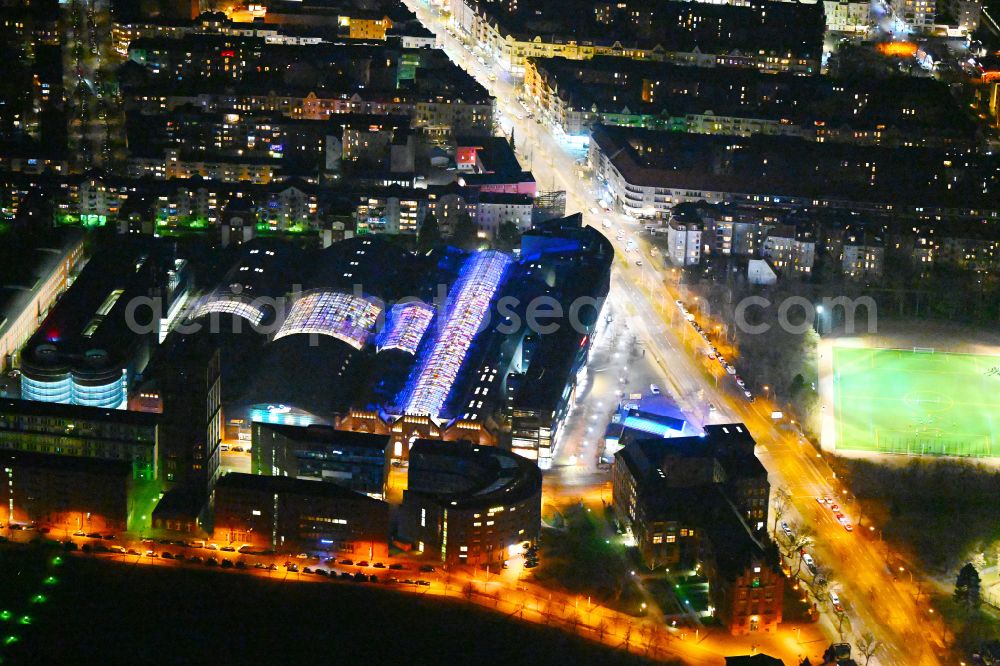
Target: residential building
(646, 173)
(783, 36)
(850, 16)
(684, 242)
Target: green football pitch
(916, 402)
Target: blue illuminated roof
(406, 326)
(654, 424)
(468, 303)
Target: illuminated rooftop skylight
(343, 316)
(468, 302)
(406, 326)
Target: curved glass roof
(469, 301)
(240, 306)
(339, 315)
(406, 326)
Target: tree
(867, 645)
(508, 237)
(430, 233)
(466, 233)
(798, 544)
(843, 624)
(779, 506)
(819, 587)
(967, 587)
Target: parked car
(654, 389)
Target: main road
(876, 600)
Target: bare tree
(780, 505)
(800, 543)
(819, 586)
(868, 645)
(843, 624)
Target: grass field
(916, 402)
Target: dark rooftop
(288, 485)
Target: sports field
(916, 402)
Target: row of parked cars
(713, 353)
(224, 563)
(810, 561)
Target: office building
(282, 513)
(102, 332)
(33, 277)
(65, 493)
(354, 460)
(470, 505)
(82, 432)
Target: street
(874, 601)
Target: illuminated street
(874, 600)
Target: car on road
(810, 562)
(291, 566)
(654, 389)
(425, 583)
(427, 568)
(378, 565)
(638, 262)
(133, 551)
(845, 521)
(118, 549)
(78, 533)
(787, 530)
(835, 601)
(748, 395)
(362, 563)
(228, 549)
(397, 567)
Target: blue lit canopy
(406, 326)
(468, 303)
